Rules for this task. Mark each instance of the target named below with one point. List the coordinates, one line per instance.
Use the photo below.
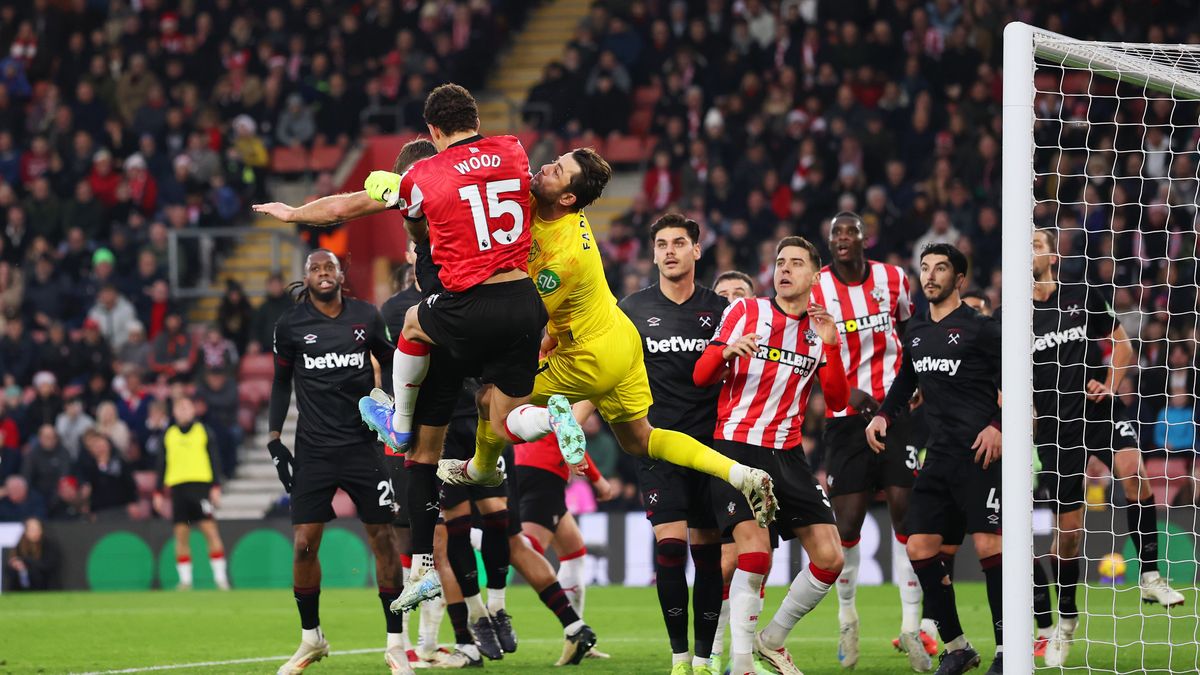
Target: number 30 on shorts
(385, 492)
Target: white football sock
(847, 585)
(475, 608)
(718, 646)
(432, 612)
(311, 635)
(495, 601)
(528, 422)
(803, 595)
(930, 628)
(420, 563)
(573, 628)
(408, 371)
(680, 658)
(220, 570)
(745, 604)
(397, 640)
(185, 572)
(570, 577)
(910, 597)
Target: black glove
(283, 462)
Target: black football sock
(939, 597)
(395, 621)
(458, 620)
(706, 596)
(423, 505)
(554, 598)
(1041, 596)
(993, 575)
(462, 555)
(495, 548)
(670, 570)
(1066, 573)
(308, 601)
(1143, 530)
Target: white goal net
(1102, 205)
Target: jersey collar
(797, 317)
(465, 141)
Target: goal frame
(1022, 43)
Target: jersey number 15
(496, 208)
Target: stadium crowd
(120, 122)
(769, 117)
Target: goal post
(1100, 141)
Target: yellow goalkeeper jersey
(565, 264)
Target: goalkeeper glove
(383, 186)
(283, 462)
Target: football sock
(432, 612)
(527, 423)
(308, 602)
(570, 577)
(398, 640)
(488, 447)
(806, 591)
(220, 568)
(847, 582)
(706, 596)
(462, 555)
(423, 506)
(939, 596)
(476, 610)
(910, 592)
(553, 597)
(683, 450)
(1143, 530)
(494, 550)
(746, 603)
(1041, 596)
(495, 601)
(994, 578)
(395, 622)
(718, 644)
(183, 566)
(410, 363)
(670, 569)
(460, 623)
(1066, 573)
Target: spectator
(276, 302)
(941, 231)
(172, 353)
(106, 482)
(35, 564)
(109, 423)
(93, 353)
(296, 125)
(660, 186)
(1176, 426)
(114, 314)
(143, 188)
(217, 391)
(235, 315)
(12, 288)
(47, 402)
(136, 349)
(133, 399)
(103, 179)
(19, 502)
(18, 354)
(46, 294)
(150, 437)
(46, 463)
(70, 426)
(44, 212)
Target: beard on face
(940, 294)
(325, 296)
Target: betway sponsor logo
(675, 343)
(332, 360)
(928, 364)
(879, 322)
(1058, 337)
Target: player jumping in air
(1075, 420)
(768, 351)
(953, 354)
(870, 301)
(324, 345)
(676, 318)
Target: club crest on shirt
(810, 336)
(651, 497)
(705, 319)
(360, 332)
(878, 295)
(953, 335)
(731, 508)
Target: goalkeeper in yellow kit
(595, 352)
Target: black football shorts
(853, 467)
(357, 469)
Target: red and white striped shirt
(764, 396)
(867, 314)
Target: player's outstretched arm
(324, 211)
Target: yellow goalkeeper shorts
(607, 369)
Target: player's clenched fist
(383, 186)
(743, 346)
(282, 459)
(876, 432)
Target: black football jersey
(673, 337)
(1065, 328)
(956, 363)
(393, 311)
(331, 368)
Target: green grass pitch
(147, 632)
